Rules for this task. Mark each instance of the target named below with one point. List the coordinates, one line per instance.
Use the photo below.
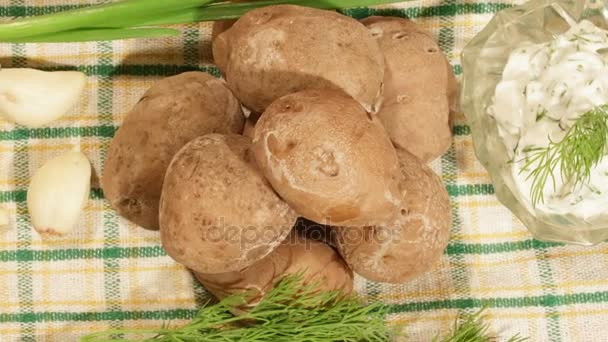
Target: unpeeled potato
(328, 159)
(170, 114)
(218, 213)
(317, 262)
(420, 90)
(413, 243)
(278, 50)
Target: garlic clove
(5, 219)
(58, 192)
(35, 98)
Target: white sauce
(544, 89)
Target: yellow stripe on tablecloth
(405, 296)
(521, 260)
(82, 243)
(90, 326)
(132, 269)
(516, 235)
(93, 303)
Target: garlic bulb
(34, 98)
(58, 192)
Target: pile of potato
(341, 117)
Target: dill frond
(581, 149)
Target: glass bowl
(483, 61)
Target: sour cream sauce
(543, 90)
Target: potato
(217, 212)
(413, 243)
(330, 160)
(420, 90)
(221, 26)
(170, 114)
(278, 50)
(318, 263)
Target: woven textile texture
(112, 274)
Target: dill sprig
(581, 149)
(471, 328)
(290, 312)
(293, 312)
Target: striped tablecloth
(110, 273)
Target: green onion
(120, 14)
(102, 22)
(100, 34)
(226, 11)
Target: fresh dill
(293, 312)
(471, 328)
(290, 312)
(581, 149)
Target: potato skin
(171, 113)
(278, 50)
(414, 242)
(221, 26)
(331, 161)
(420, 89)
(217, 212)
(316, 261)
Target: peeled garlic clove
(35, 98)
(4, 219)
(58, 192)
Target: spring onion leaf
(120, 14)
(142, 14)
(100, 34)
(225, 11)
(582, 148)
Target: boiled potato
(217, 212)
(329, 159)
(420, 90)
(316, 261)
(277, 50)
(221, 26)
(414, 242)
(169, 115)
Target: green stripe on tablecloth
(27, 11)
(469, 189)
(454, 248)
(191, 46)
(104, 131)
(505, 302)
(58, 132)
(20, 196)
(75, 254)
(547, 281)
(452, 9)
(111, 233)
(23, 226)
(463, 303)
(150, 70)
(135, 69)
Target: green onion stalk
(140, 18)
